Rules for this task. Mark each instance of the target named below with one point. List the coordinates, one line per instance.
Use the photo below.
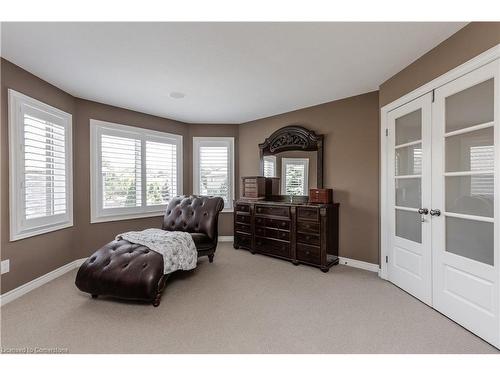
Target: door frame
(474, 63)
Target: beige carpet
(241, 303)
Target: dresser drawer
(272, 210)
(245, 228)
(307, 253)
(242, 207)
(244, 219)
(312, 239)
(272, 233)
(243, 240)
(308, 213)
(307, 227)
(272, 223)
(273, 247)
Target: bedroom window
(294, 176)
(134, 172)
(270, 166)
(213, 168)
(40, 167)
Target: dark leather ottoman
(129, 271)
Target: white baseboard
(39, 281)
(226, 238)
(359, 264)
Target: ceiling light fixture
(177, 95)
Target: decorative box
(320, 196)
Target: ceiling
(229, 72)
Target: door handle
(435, 212)
(423, 211)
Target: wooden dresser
(299, 232)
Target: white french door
(465, 179)
(443, 196)
(409, 194)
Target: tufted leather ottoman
(124, 270)
(129, 271)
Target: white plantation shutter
(270, 166)
(482, 159)
(135, 173)
(294, 175)
(213, 168)
(40, 175)
(161, 172)
(44, 168)
(121, 171)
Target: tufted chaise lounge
(125, 270)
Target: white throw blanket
(177, 248)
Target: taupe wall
(38, 255)
(351, 167)
(351, 156)
(462, 46)
(34, 256)
(92, 236)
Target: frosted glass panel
(408, 225)
(470, 239)
(470, 107)
(409, 127)
(409, 160)
(472, 151)
(471, 195)
(408, 192)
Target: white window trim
(284, 162)
(213, 141)
(19, 229)
(97, 213)
(272, 159)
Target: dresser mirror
(295, 155)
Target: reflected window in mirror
(270, 166)
(294, 176)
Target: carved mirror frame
(290, 138)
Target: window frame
(20, 227)
(272, 159)
(305, 162)
(98, 214)
(214, 141)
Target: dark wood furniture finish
(254, 187)
(304, 233)
(291, 138)
(320, 195)
(272, 186)
(259, 187)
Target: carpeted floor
(241, 303)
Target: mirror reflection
(297, 171)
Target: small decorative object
(321, 196)
(254, 187)
(259, 187)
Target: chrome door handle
(423, 211)
(435, 212)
